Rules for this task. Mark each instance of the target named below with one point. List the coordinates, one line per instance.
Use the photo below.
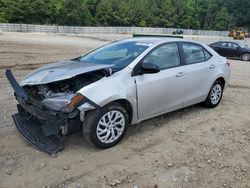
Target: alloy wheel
(216, 94)
(110, 127)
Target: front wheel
(106, 126)
(215, 95)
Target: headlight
(65, 103)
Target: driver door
(164, 91)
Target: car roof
(156, 40)
(225, 41)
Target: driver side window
(165, 57)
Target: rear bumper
(31, 129)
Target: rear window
(217, 44)
(195, 53)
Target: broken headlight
(65, 103)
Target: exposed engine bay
(61, 88)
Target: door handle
(180, 74)
(212, 66)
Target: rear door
(163, 91)
(199, 69)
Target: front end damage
(47, 112)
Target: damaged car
(122, 83)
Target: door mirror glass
(150, 68)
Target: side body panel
(199, 77)
(160, 92)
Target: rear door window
(194, 53)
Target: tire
(246, 57)
(215, 95)
(99, 127)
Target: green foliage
(74, 13)
(221, 20)
(190, 14)
(240, 13)
(1, 11)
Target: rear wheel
(246, 57)
(106, 126)
(215, 94)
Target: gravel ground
(192, 147)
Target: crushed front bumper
(30, 128)
(44, 129)
(40, 126)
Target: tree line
(189, 14)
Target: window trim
(203, 49)
(136, 69)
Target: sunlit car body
(122, 83)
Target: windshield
(118, 54)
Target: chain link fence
(11, 27)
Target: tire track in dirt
(238, 86)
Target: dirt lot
(193, 147)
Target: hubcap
(216, 94)
(110, 127)
(246, 57)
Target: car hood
(60, 71)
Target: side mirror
(150, 68)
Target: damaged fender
(113, 88)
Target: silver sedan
(122, 83)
